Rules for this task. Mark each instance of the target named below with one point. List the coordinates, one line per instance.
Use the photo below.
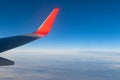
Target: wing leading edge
(15, 41)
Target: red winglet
(47, 24)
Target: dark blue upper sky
(81, 24)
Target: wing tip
(46, 26)
(56, 9)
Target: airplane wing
(15, 41)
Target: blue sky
(91, 25)
(81, 24)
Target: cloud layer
(69, 66)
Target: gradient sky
(81, 24)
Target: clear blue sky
(81, 24)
